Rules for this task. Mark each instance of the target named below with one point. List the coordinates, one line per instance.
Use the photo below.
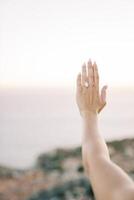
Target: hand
(87, 97)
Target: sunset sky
(45, 42)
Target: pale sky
(45, 42)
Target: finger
(84, 74)
(103, 98)
(90, 72)
(79, 86)
(96, 77)
(101, 108)
(90, 78)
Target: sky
(45, 42)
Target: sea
(38, 120)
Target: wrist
(89, 114)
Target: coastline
(59, 174)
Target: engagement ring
(86, 84)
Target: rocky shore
(59, 175)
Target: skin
(108, 180)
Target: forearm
(93, 144)
(107, 179)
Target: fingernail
(89, 60)
(106, 86)
(84, 64)
(95, 63)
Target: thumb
(103, 94)
(103, 98)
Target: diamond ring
(86, 84)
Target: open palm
(88, 97)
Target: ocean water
(33, 121)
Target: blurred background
(42, 47)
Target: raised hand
(88, 97)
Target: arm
(107, 179)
